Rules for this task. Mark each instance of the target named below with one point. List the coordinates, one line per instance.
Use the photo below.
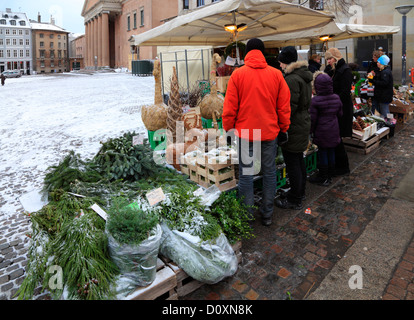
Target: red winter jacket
(257, 97)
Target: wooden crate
(361, 146)
(224, 178)
(163, 287)
(383, 133)
(185, 169)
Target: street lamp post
(404, 10)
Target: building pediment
(92, 8)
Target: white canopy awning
(337, 31)
(205, 26)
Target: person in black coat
(342, 84)
(314, 63)
(384, 87)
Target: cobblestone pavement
(289, 259)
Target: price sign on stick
(155, 196)
(100, 211)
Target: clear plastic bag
(138, 263)
(205, 261)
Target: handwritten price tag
(155, 196)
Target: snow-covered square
(43, 117)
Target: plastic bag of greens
(133, 241)
(206, 261)
(138, 263)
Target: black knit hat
(288, 55)
(253, 44)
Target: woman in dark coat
(342, 83)
(326, 108)
(299, 80)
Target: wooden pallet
(172, 282)
(361, 146)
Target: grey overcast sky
(67, 13)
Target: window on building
(142, 17)
(20, 42)
(200, 3)
(185, 4)
(13, 22)
(14, 31)
(1, 42)
(41, 35)
(3, 21)
(7, 31)
(135, 20)
(316, 4)
(7, 42)
(27, 42)
(21, 53)
(52, 54)
(27, 53)
(59, 36)
(42, 64)
(20, 32)
(1, 54)
(42, 44)
(15, 42)
(8, 52)
(52, 44)
(51, 36)
(15, 53)
(42, 54)
(22, 23)
(128, 23)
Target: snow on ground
(43, 117)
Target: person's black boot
(286, 204)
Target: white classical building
(15, 42)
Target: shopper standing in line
(299, 79)
(325, 109)
(257, 107)
(342, 83)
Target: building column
(105, 38)
(99, 41)
(87, 53)
(95, 39)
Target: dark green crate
(208, 123)
(311, 162)
(156, 138)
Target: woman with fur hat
(298, 78)
(342, 83)
(384, 87)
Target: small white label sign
(155, 196)
(100, 211)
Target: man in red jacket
(257, 108)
